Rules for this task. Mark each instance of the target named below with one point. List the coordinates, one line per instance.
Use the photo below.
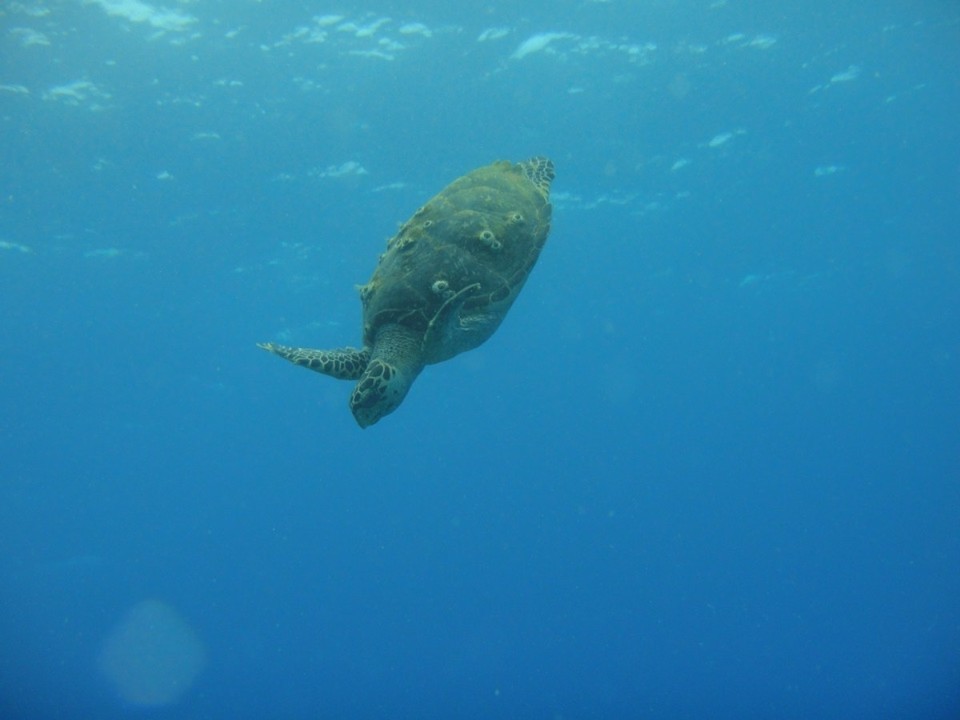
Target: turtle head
(379, 392)
(395, 362)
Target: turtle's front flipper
(342, 363)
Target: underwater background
(709, 466)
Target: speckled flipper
(342, 363)
(539, 170)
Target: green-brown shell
(473, 245)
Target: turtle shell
(460, 261)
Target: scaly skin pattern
(396, 361)
(342, 363)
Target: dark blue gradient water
(708, 466)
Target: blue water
(709, 467)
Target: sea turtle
(444, 284)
